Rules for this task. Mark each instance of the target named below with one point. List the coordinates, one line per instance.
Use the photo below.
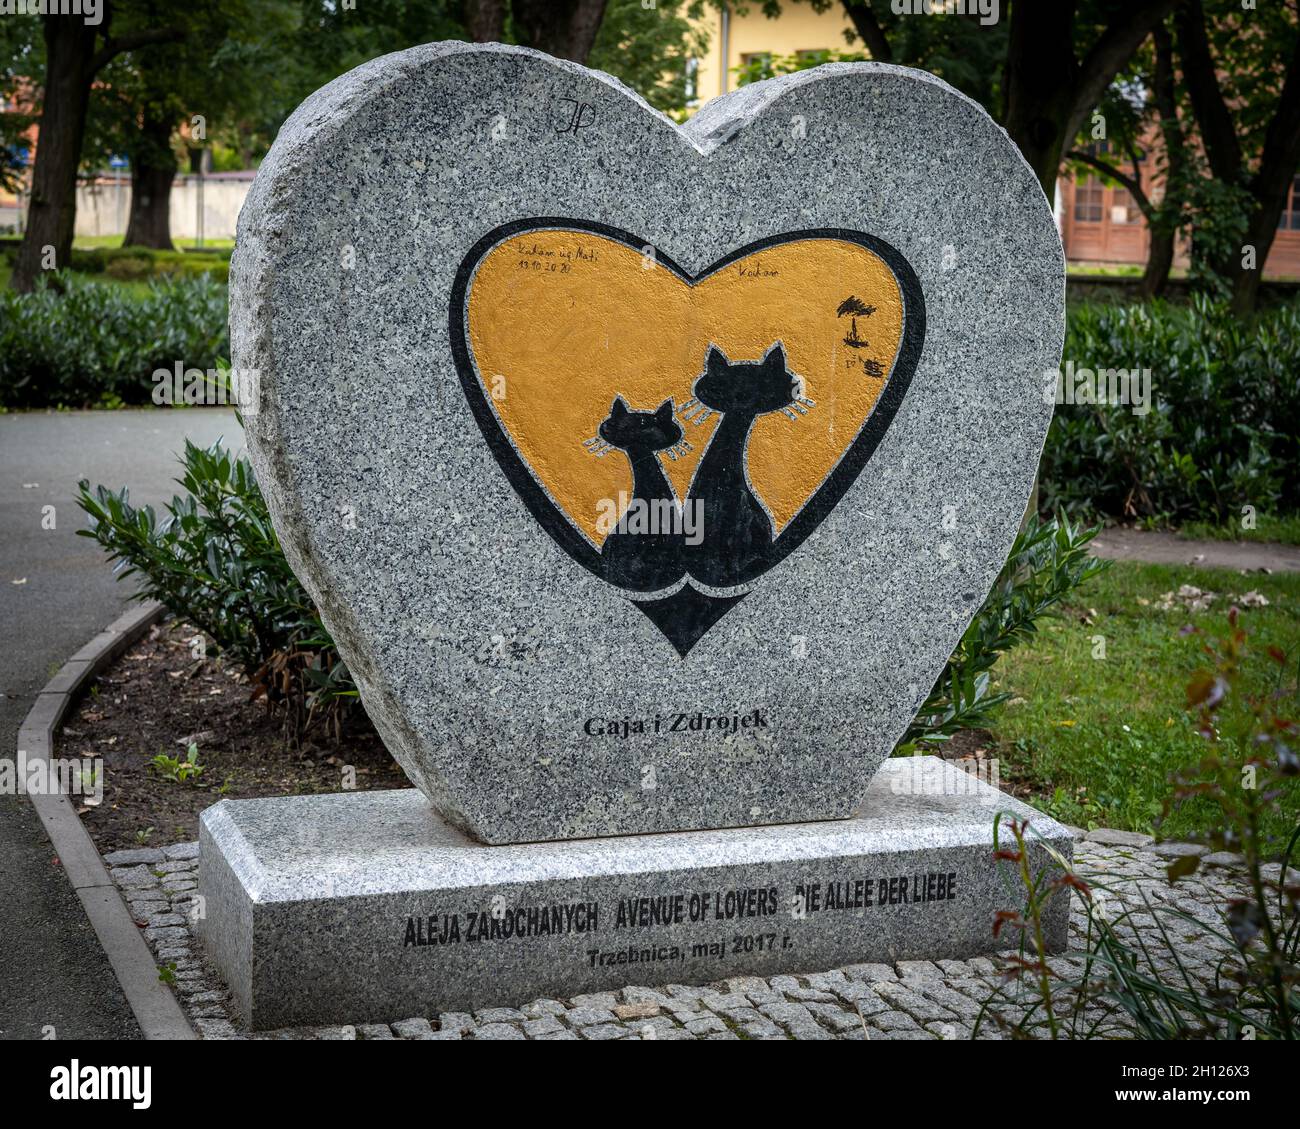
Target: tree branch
(117, 45)
(1133, 186)
(869, 30)
(1135, 158)
(1208, 106)
(1111, 51)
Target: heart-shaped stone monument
(645, 475)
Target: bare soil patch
(157, 698)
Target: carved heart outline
(685, 615)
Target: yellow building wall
(798, 28)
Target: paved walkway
(56, 592)
(1168, 548)
(906, 1000)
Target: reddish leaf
(1200, 687)
(1182, 867)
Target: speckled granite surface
(357, 907)
(481, 649)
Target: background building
(735, 39)
(1100, 223)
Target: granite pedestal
(369, 907)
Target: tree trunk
(1160, 259)
(869, 30)
(1163, 224)
(563, 28)
(1278, 160)
(52, 216)
(485, 19)
(1262, 227)
(1218, 132)
(1270, 185)
(1039, 84)
(1048, 92)
(153, 168)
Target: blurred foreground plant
(1133, 977)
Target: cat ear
(775, 358)
(664, 412)
(618, 407)
(716, 361)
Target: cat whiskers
(799, 405)
(677, 450)
(596, 446)
(692, 411)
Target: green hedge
(1221, 430)
(138, 263)
(74, 342)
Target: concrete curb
(156, 1009)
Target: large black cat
(644, 561)
(737, 529)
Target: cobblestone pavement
(905, 1000)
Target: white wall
(104, 207)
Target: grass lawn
(1282, 529)
(1096, 739)
(1115, 270)
(136, 287)
(91, 241)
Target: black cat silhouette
(631, 557)
(737, 530)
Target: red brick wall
(1095, 228)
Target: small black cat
(737, 530)
(632, 558)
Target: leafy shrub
(145, 262)
(77, 342)
(216, 562)
(1220, 433)
(1048, 561)
(129, 267)
(186, 263)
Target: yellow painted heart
(603, 375)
